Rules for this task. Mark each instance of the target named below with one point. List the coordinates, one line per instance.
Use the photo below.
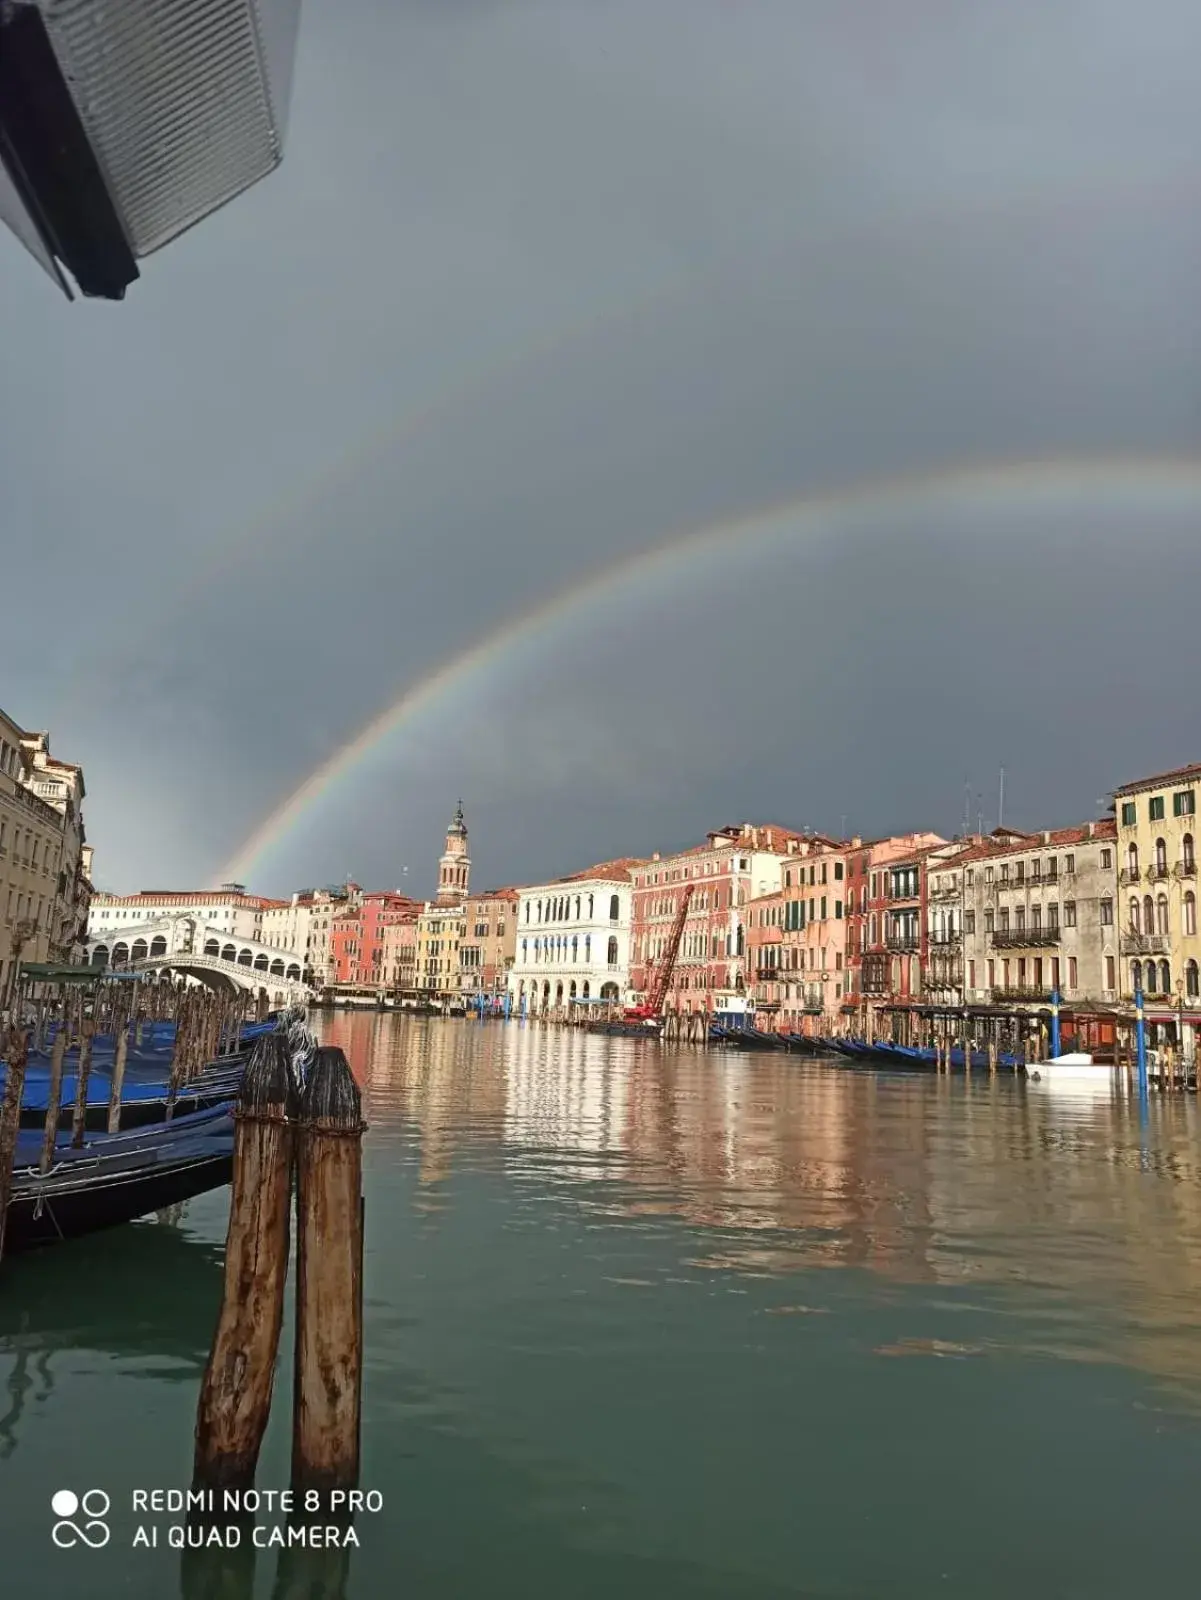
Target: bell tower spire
(454, 869)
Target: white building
(573, 939)
(228, 911)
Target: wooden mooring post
(16, 1056)
(327, 1391)
(235, 1395)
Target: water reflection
(779, 1165)
(147, 1295)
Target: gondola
(116, 1177)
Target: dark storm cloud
(643, 266)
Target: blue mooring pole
(1140, 1040)
(1054, 1023)
(508, 1004)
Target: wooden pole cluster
(16, 1055)
(316, 1134)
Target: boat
(1077, 1070)
(116, 1177)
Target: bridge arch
(158, 945)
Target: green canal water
(664, 1323)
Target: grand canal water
(669, 1323)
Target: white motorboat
(1076, 1069)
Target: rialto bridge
(193, 949)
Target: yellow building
(43, 882)
(1157, 889)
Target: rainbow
(1044, 484)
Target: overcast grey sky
(541, 285)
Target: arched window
(1161, 914)
(139, 950)
(1190, 913)
(293, 972)
(572, 991)
(277, 969)
(1132, 860)
(260, 962)
(591, 903)
(212, 948)
(1148, 914)
(575, 947)
(559, 994)
(1134, 914)
(100, 956)
(1149, 977)
(245, 957)
(1186, 853)
(1165, 978)
(614, 907)
(587, 994)
(1192, 981)
(158, 945)
(588, 948)
(613, 950)
(539, 911)
(525, 949)
(527, 912)
(577, 908)
(1136, 976)
(1161, 855)
(228, 953)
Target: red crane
(651, 1009)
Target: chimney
(1092, 828)
(1046, 836)
(856, 843)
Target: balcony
(1185, 869)
(1028, 992)
(942, 895)
(946, 941)
(769, 974)
(1129, 875)
(1157, 872)
(1144, 944)
(1026, 938)
(903, 942)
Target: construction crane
(651, 1009)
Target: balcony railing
(1185, 869)
(953, 893)
(902, 941)
(1144, 944)
(1022, 991)
(1026, 938)
(1129, 875)
(945, 941)
(1157, 872)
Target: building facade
(734, 866)
(1039, 917)
(796, 938)
(488, 945)
(573, 940)
(1156, 822)
(886, 910)
(44, 887)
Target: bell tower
(454, 869)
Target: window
(1069, 864)
(614, 907)
(1106, 860)
(1003, 920)
(989, 919)
(969, 877)
(1161, 856)
(1036, 918)
(1187, 858)
(1184, 803)
(1072, 970)
(988, 874)
(1019, 919)
(1106, 913)
(1190, 913)
(1053, 916)
(1129, 814)
(1052, 868)
(1155, 808)
(992, 973)
(1161, 914)
(971, 974)
(1165, 977)
(1110, 973)
(969, 922)
(1192, 981)
(1069, 913)
(838, 871)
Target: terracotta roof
(618, 871)
(192, 897)
(1057, 839)
(1162, 779)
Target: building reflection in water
(780, 1165)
